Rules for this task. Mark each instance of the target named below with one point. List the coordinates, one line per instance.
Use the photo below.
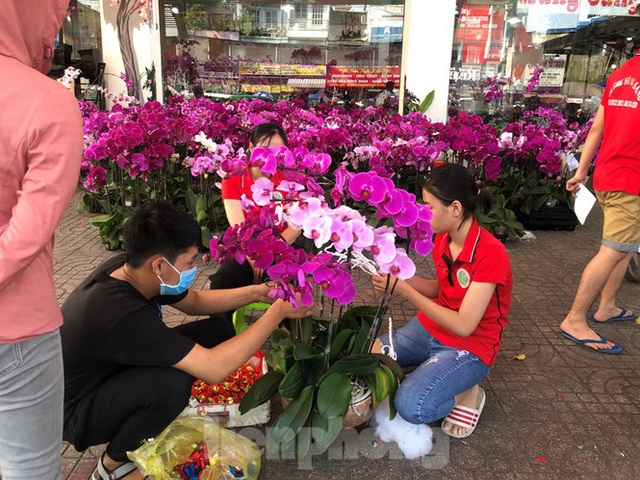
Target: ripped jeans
(428, 393)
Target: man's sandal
(465, 417)
(103, 473)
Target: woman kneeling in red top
(231, 274)
(456, 334)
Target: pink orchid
(341, 235)
(362, 235)
(317, 228)
(383, 247)
(262, 191)
(401, 266)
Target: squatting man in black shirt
(127, 374)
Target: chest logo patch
(464, 279)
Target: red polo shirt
(482, 259)
(618, 163)
(235, 185)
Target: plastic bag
(230, 455)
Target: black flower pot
(558, 217)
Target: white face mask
(186, 280)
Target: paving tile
(564, 412)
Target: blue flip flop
(618, 318)
(611, 351)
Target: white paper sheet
(584, 203)
(572, 162)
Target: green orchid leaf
(293, 381)
(304, 439)
(277, 361)
(191, 200)
(303, 351)
(370, 381)
(206, 236)
(383, 383)
(262, 390)
(201, 210)
(291, 421)
(428, 100)
(277, 336)
(325, 430)
(101, 219)
(360, 364)
(334, 395)
(306, 330)
(338, 343)
(357, 313)
(360, 341)
(392, 364)
(393, 388)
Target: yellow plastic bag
(231, 455)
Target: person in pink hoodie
(40, 155)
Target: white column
(426, 51)
(156, 47)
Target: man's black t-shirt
(109, 325)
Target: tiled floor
(563, 412)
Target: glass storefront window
(320, 51)
(79, 44)
(515, 54)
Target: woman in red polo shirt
(456, 334)
(234, 186)
(231, 274)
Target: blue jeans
(428, 393)
(31, 392)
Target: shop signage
(553, 74)
(477, 26)
(595, 7)
(571, 6)
(468, 73)
(284, 69)
(247, 88)
(613, 7)
(473, 24)
(365, 77)
(386, 34)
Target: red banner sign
(473, 24)
(365, 77)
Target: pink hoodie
(40, 154)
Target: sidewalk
(563, 412)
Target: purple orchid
(368, 187)
(264, 159)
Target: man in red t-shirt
(617, 183)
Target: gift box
(221, 401)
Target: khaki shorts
(621, 229)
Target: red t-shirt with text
(482, 259)
(618, 163)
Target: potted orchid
(323, 364)
(534, 170)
